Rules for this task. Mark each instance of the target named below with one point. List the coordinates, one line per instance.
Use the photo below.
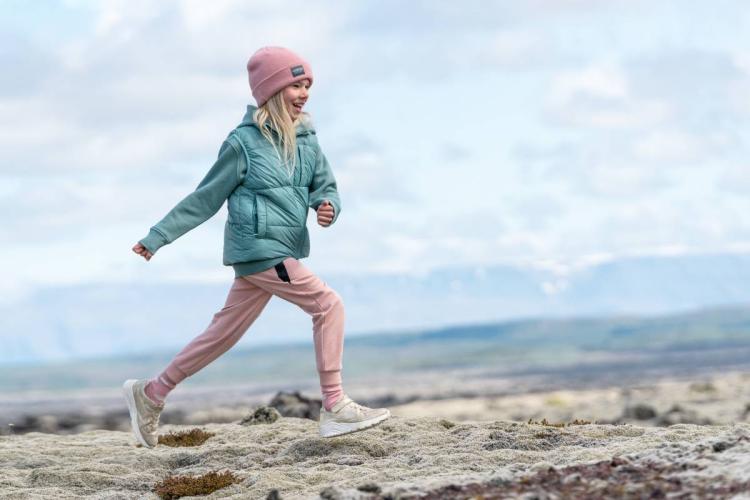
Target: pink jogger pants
(247, 298)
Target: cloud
(108, 123)
(735, 179)
(680, 147)
(147, 83)
(454, 152)
(365, 175)
(30, 64)
(697, 90)
(599, 96)
(589, 169)
(694, 76)
(739, 88)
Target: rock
(273, 495)
(640, 411)
(262, 415)
(349, 461)
(183, 459)
(331, 493)
(679, 415)
(500, 478)
(47, 423)
(294, 404)
(369, 488)
(720, 446)
(71, 421)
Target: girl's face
(295, 96)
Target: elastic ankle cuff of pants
(175, 374)
(165, 380)
(330, 377)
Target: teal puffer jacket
(267, 209)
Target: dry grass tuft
(181, 486)
(193, 437)
(580, 422)
(561, 424)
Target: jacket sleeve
(323, 186)
(200, 205)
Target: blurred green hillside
(712, 337)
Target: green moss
(446, 423)
(555, 401)
(193, 437)
(703, 387)
(181, 486)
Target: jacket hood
(303, 128)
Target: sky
(547, 134)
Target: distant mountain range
(106, 320)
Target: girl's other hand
(325, 213)
(141, 250)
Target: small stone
(331, 493)
(369, 488)
(262, 415)
(294, 404)
(273, 495)
(501, 478)
(446, 423)
(720, 446)
(640, 411)
(349, 461)
(571, 478)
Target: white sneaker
(144, 413)
(347, 416)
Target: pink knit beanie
(271, 69)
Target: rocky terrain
(404, 457)
(668, 439)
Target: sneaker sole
(127, 389)
(332, 429)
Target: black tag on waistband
(298, 70)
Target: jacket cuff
(154, 241)
(336, 210)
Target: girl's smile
(295, 97)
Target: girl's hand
(141, 250)
(325, 213)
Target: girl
(270, 169)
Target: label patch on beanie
(298, 70)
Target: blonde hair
(274, 114)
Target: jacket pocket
(246, 210)
(260, 214)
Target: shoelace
(151, 421)
(361, 410)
